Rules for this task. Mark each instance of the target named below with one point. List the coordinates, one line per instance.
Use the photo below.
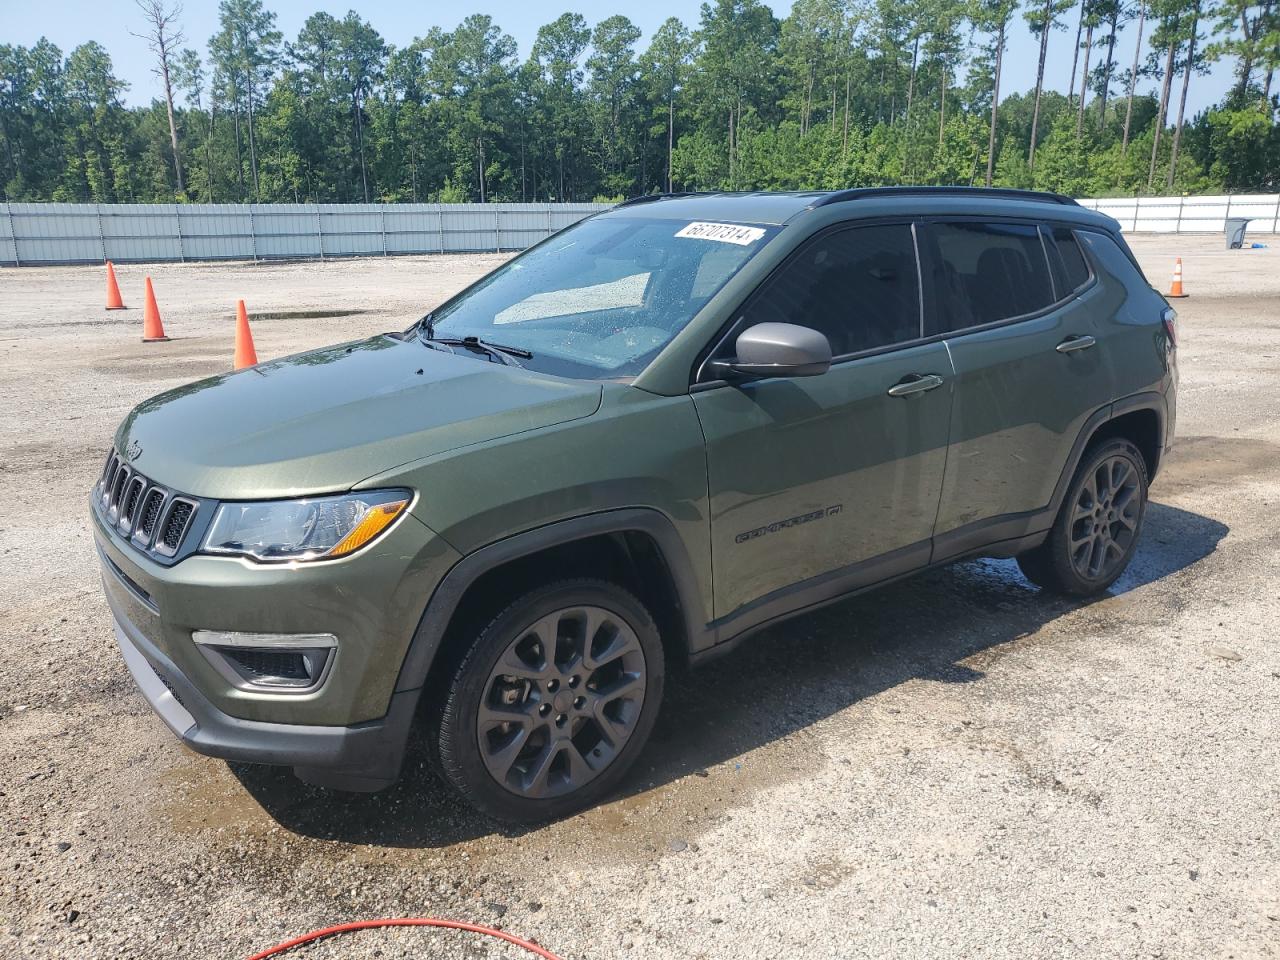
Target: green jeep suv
(631, 446)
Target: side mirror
(778, 350)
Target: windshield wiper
(500, 352)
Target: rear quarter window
(1070, 269)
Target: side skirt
(849, 582)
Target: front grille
(108, 471)
(175, 525)
(129, 506)
(117, 489)
(153, 519)
(150, 514)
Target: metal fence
(50, 233)
(1191, 214)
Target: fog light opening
(269, 662)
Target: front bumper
(366, 756)
(349, 732)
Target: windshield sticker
(722, 232)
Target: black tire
(1108, 527)
(559, 765)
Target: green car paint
(836, 443)
(763, 497)
(372, 601)
(306, 424)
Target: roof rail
(651, 197)
(1003, 193)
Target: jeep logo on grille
(134, 450)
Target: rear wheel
(1096, 530)
(553, 702)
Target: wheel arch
(1142, 426)
(1139, 418)
(638, 546)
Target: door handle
(1072, 344)
(915, 383)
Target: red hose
(403, 922)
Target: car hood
(325, 420)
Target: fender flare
(1150, 400)
(447, 595)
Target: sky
(69, 23)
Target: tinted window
(860, 287)
(1070, 271)
(985, 272)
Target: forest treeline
(839, 93)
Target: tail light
(1170, 317)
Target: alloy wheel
(1105, 518)
(561, 702)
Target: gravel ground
(954, 766)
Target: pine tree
(1043, 19)
(665, 67)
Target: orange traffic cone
(113, 290)
(246, 356)
(1175, 292)
(152, 328)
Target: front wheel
(553, 702)
(1096, 530)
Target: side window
(859, 286)
(986, 272)
(1070, 271)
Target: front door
(820, 483)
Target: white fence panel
(49, 233)
(140, 231)
(45, 233)
(57, 232)
(216, 231)
(8, 248)
(413, 228)
(1191, 214)
(286, 230)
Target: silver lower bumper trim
(161, 698)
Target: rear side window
(860, 287)
(1070, 271)
(987, 272)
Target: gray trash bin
(1235, 232)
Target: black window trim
(1058, 304)
(697, 385)
(1048, 261)
(1048, 227)
(738, 314)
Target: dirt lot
(955, 766)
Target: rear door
(1020, 312)
(817, 481)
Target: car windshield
(600, 299)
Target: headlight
(317, 528)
